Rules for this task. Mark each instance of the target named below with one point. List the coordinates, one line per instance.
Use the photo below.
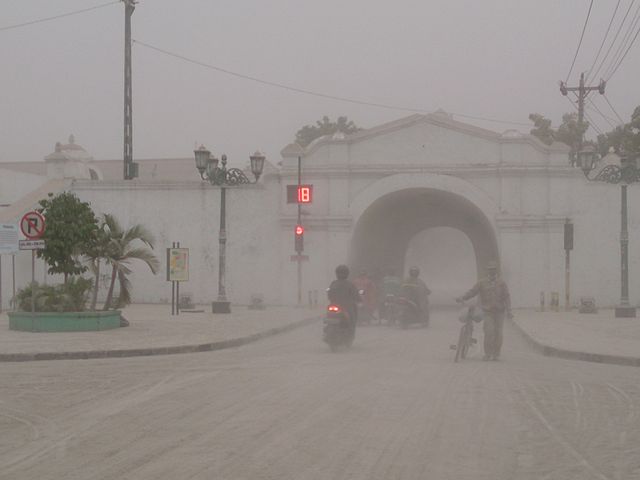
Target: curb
(549, 351)
(141, 352)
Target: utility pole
(583, 91)
(299, 223)
(130, 168)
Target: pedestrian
(495, 302)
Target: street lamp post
(224, 177)
(624, 174)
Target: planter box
(64, 321)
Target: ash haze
(500, 59)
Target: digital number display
(304, 194)
(299, 194)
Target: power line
(604, 39)
(580, 42)
(624, 42)
(604, 59)
(625, 53)
(311, 92)
(613, 109)
(68, 14)
(591, 122)
(595, 108)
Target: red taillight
(334, 308)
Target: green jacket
(494, 295)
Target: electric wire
(623, 44)
(580, 42)
(311, 92)
(595, 108)
(604, 59)
(613, 109)
(55, 17)
(591, 122)
(625, 41)
(604, 39)
(615, 69)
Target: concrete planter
(64, 321)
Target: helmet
(414, 272)
(342, 272)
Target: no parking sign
(32, 225)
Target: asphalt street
(393, 407)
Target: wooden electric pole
(583, 91)
(130, 170)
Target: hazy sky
(499, 59)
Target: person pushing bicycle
(495, 302)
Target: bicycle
(465, 338)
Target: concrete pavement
(596, 337)
(154, 331)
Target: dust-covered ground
(394, 407)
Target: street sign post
(32, 227)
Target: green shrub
(69, 297)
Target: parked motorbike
(337, 328)
(389, 309)
(408, 309)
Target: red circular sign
(32, 225)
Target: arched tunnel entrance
(443, 233)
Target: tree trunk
(107, 303)
(94, 299)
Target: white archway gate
(508, 193)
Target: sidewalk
(596, 337)
(154, 331)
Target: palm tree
(121, 251)
(95, 253)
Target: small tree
(122, 249)
(309, 133)
(542, 128)
(98, 250)
(71, 229)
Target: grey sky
(500, 59)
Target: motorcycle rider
(345, 294)
(495, 301)
(421, 292)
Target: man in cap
(495, 302)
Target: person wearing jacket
(495, 302)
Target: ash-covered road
(394, 407)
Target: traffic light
(299, 239)
(568, 236)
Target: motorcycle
(365, 315)
(408, 309)
(389, 309)
(338, 331)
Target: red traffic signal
(299, 239)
